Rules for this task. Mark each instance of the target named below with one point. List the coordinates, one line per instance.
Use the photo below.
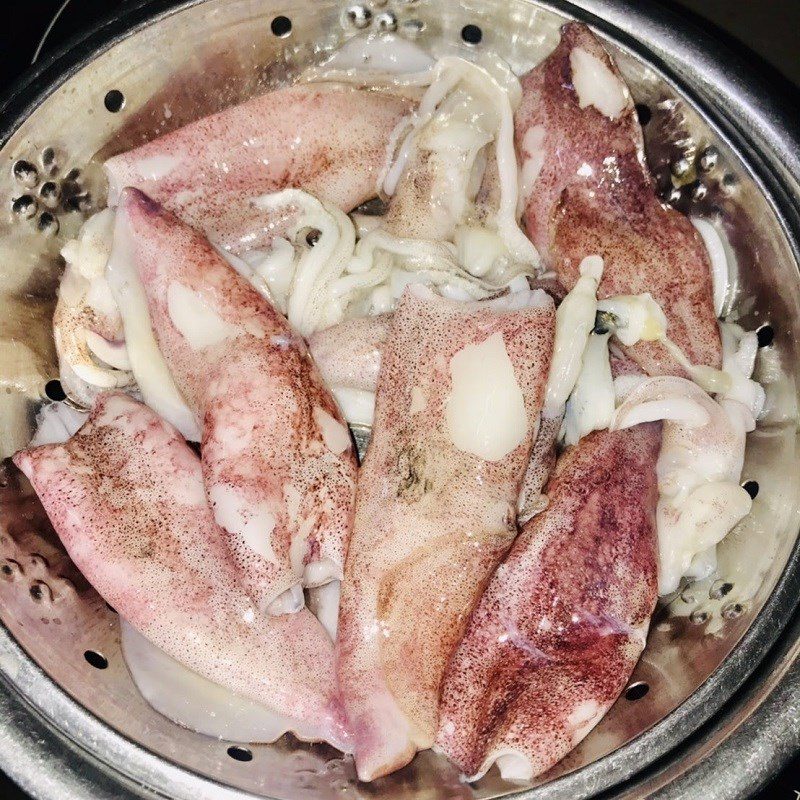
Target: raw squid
(328, 139)
(459, 396)
(126, 497)
(699, 469)
(532, 498)
(278, 461)
(87, 326)
(564, 619)
(349, 358)
(586, 190)
(465, 115)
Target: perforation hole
(47, 224)
(24, 206)
(729, 183)
(359, 16)
(95, 659)
(25, 173)
(698, 617)
(644, 113)
(636, 691)
(54, 391)
(49, 160)
(719, 589)
(765, 335)
(471, 34)
(751, 487)
(733, 610)
(114, 101)
(281, 27)
(238, 753)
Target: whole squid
(458, 402)
(564, 619)
(586, 189)
(328, 139)
(125, 495)
(278, 461)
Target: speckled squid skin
(543, 458)
(563, 620)
(126, 497)
(432, 521)
(328, 139)
(349, 354)
(595, 195)
(264, 409)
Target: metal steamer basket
(712, 708)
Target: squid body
(564, 618)
(278, 461)
(458, 403)
(126, 497)
(328, 139)
(586, 190)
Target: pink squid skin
(532, 498)
(595, 195)
(432, 521)
(126, 497)
(273, 437)
(349, 354)
(208, 171)
(562, 623)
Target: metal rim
(32, 747)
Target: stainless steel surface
(70, 731)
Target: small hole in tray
(751, 487)
(471, 34)
(240, 753)
(97, 660)
(54, 390)
(732, 611)
(281, 26)
(636, 691)
(765, 335)
(114, 101)
(644, 113)
(719, 589)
